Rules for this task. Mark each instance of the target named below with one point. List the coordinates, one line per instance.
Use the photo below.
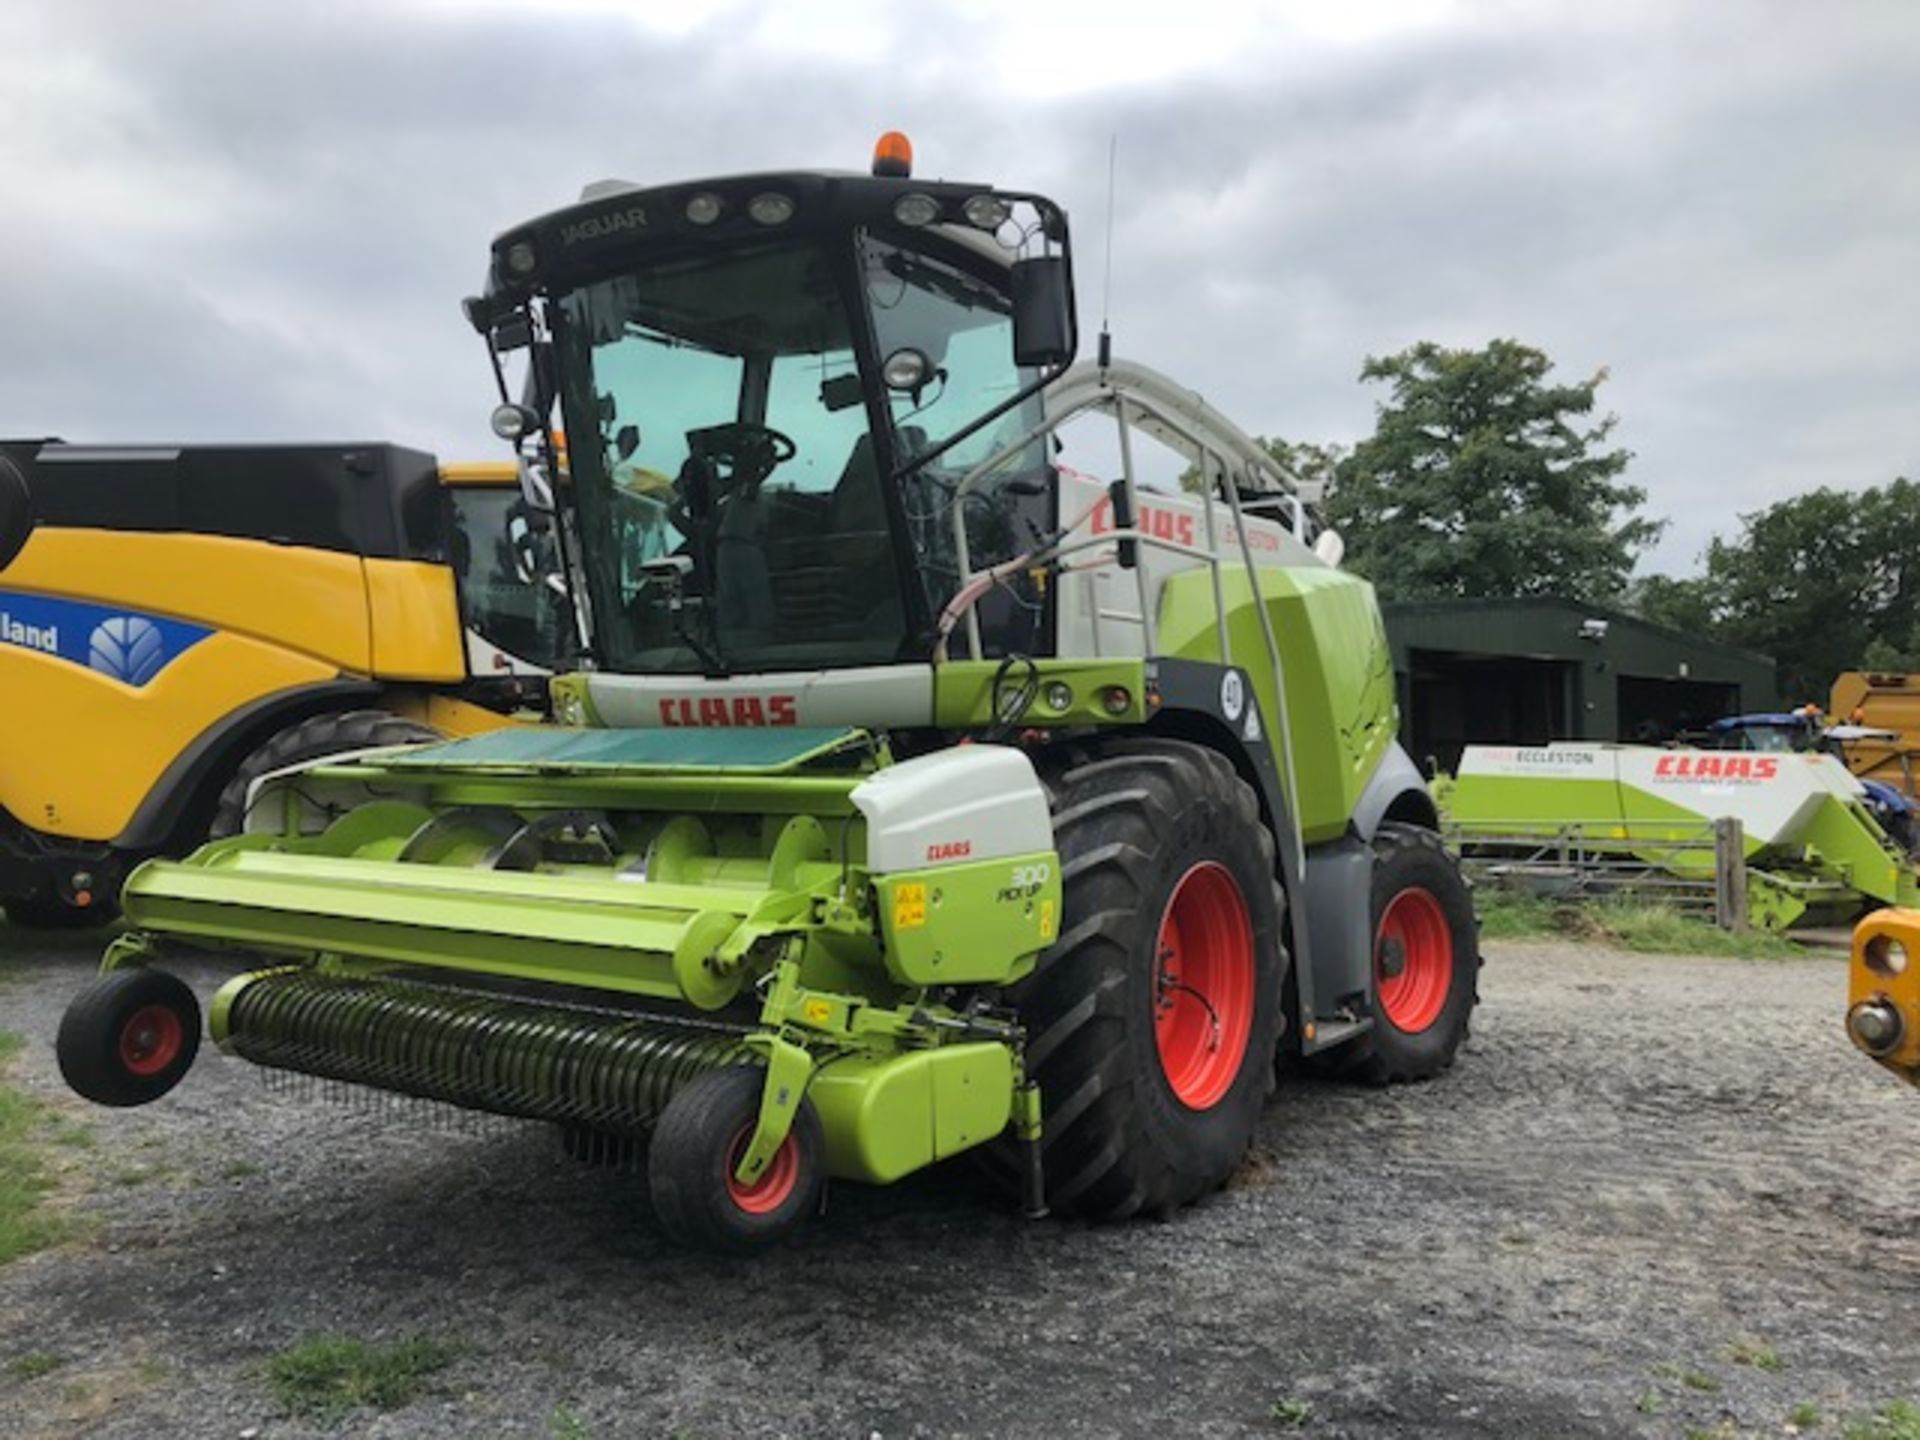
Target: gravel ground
(1639, 1163)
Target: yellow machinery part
(449, 714)
(82, 750)
(1884, 978)
(414, 615)
(485, 474)
(294, 598)
(1885, 702)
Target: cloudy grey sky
(254, 219)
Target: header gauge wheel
(129, 1037)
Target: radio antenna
(1106, 288)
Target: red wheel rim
(772, 1189)
(1203, 991)
(1413, 960)
(150, 1040)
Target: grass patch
(1756, 1354)
(34, 1364)
(1651, 1402)
(239, 1170)
(1699, 1380)
(566, 1423)
(1631, 925)
(328, 1376)
(24, 1226)
(1804, 1416)
(1290, 1412)
(1898, 1421)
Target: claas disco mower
(916, 795)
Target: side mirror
(1044, 333)
(16, 512)
(501, 325)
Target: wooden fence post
(1729, 873)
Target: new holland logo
(115, 644)
(127, 648)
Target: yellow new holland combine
(176, 621)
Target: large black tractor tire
(129, 1037)
(44, 914)
(1426, 960)
(700, 1138)
(314, 738)
(1152, 1022)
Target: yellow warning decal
(818, 1012)
(910, 906)
(1046, 919)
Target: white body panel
(1100, 602)
(973, 802)
(873, 697)
(1772, 794)
(484, 658)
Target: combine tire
(129, 1037)
(700, 1138)
(311, 739)
(1151, 1024)
(1426, 961)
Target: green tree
(1824, 582)
(1485, 478)
(1681, 602)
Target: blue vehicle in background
(1806, 730)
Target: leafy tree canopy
(1824, 582)
(1483, 477)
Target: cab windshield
(732, 503)
(729, 496)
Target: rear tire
(129, 1037)
(1426, 961)
(1152, 1023)
(312, 739)
(699, 1140)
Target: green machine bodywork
(1810, 844)
(719, 872)
(792, 844)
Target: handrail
(1139, 397)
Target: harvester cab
(913, 795)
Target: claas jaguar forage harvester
(916, 795)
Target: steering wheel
(750, 451)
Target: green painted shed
(1529, 670)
